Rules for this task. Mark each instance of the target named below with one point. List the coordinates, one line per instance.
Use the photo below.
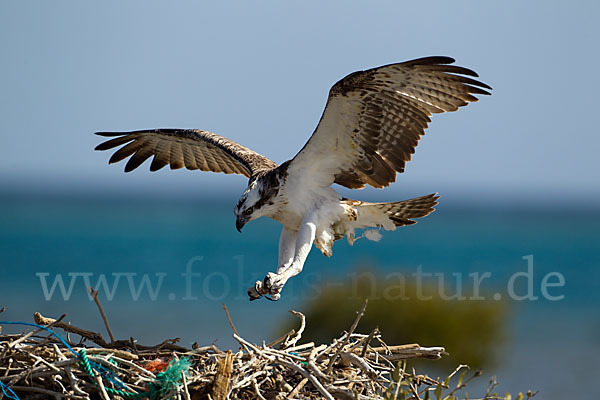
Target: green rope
(160, 388)
(167, 380)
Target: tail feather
(362, 215)
(403, 212)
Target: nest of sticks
(38, 365)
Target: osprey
(371, 124)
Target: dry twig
(94, 294)
(346, 368)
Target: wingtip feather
(108, 134)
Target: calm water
(124, 241)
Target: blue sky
(259, 72)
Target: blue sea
(164, 268)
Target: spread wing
(178, 148)
(374, 119)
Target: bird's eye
(248, 211)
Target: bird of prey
(371, 124)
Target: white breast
(301, 200)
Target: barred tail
(362, 214)
(400, 212)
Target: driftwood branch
(169, 344)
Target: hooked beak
(239, 224)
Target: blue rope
(103, 371)
(44, 328)
(304, 363)
(12, 394)
(161, 386)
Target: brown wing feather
(178, 148)
(374, 120)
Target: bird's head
(256, 202)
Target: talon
(269, 287)
(259, 287)
(273, 297)
(256, 291)
(272, 286)
(253, 297)
(268, 281)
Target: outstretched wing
(374, 119)
(190, 148)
